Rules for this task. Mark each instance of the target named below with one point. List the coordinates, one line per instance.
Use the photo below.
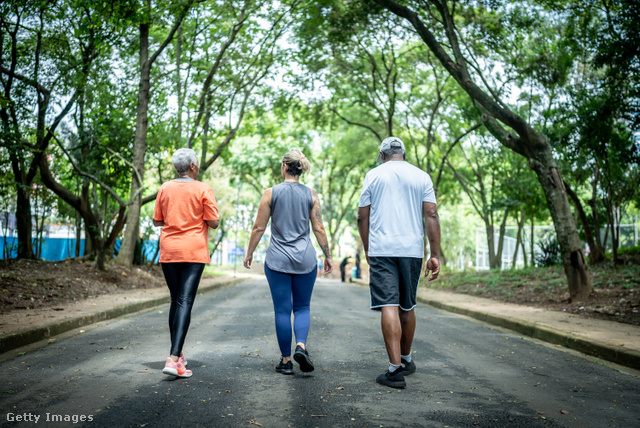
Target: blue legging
(291, 292)
(183, 280)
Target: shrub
(549, 252)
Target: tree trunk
(107, 247)
(615, 232)
(78, 234)
(531, 244)
(491, 245)
(23, 223)
(89, 248)
(597, 254)
(520, 242)
(131, 233)
(575, 266)
(503, 226)
(179, 82)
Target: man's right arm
(432, 225)
(363, 228)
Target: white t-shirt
(395, 190)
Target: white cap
(390, 143)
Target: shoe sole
(397, 384)
(305, 363)
(285, 371)
(174, 372)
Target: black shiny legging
(183, 280)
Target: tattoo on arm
(318, 214)
(325, 250)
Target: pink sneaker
(182, 359)
(176, 369)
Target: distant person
(395, 196)
(358, 272)
(186, 209)
(290, 263)
(343, 268)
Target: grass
(541, 281)
(211, 271)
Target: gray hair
(182, 160)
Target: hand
(433, 265)
(247, 260)
(328, 266)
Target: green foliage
(549, 251)
(630, 250)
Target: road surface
(469, 373)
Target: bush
(550, 252)
(630, 250)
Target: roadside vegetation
(615, 296)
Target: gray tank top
(290, 249)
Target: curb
(624, 357)
(19, 339)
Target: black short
(393, 281)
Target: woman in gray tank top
(290, 263)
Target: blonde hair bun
(296, 162)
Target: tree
(482, 181)
(43, 67)
(595, 130)
(231, 53)
(346, 155)
(504, 124)
(125, 257)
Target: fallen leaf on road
(564, 412)
(340, 387)
(251, 421)
(318, 416)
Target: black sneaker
(302, 357)
(408, 368)
(394, 380)
(285, 368)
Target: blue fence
(55, 249)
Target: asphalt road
(469, 374)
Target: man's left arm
(432, 225)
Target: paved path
(469, 374)
(608, 340)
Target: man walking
(395, 196)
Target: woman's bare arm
(259, 226)
(318, 230)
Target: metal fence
(629, 237)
